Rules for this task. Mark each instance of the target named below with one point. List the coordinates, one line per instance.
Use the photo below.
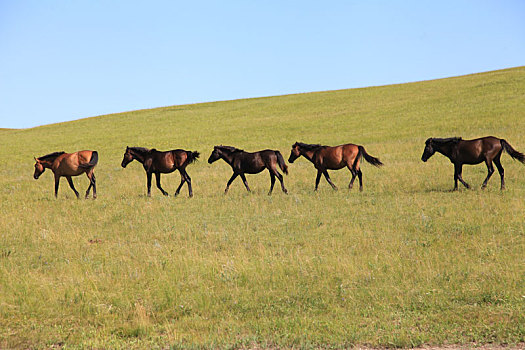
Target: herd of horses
(486, 149)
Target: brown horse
(334, 158)
(68, 165)
(250, 163)
(485, 149)
(157, 162)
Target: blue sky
(66, 60)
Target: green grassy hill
(404, 263)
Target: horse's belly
(71, 172)
(334, 165)
(163, 169)
(253, 171)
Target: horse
(68, 165)
(251, 163)
(158, 162)
(486, 149)
(326, 158)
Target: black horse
(250, 163)
(485, 149)
(156, 162)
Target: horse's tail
(280, 161)
(92, 162)
(192, 156)
(372, 160)
(512, 152)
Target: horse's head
(39, 169)
(215, 155)
(128, 158)
(296, 152)
(429, 150)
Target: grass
(404, 263)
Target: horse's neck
(227, 157)
(47, 163)
(139, 157)
(308, 155)
(447, 150)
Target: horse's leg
(325, 173)
(245, 182)
(360, 176)
(354, 174)
(280, 178)
(70, 182)
(57, 182)
(188, 180)
(458, 169)
(501, 171)
(230, 182)
(148, 174)
(92, 183)
(455, 178)
(89, 187)
(490, 169)
(182, 181)
(272, 180)
(157, 177)
(318, 178)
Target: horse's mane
(230, 149)
(50, 156)
(442, 141)
(308, 146)
(141, 150)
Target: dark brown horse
(485, 149)
(68, 165)
(334, 158)
(157, 162)
(250, 163)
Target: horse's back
(254, 162)
(73, 164)
(478, 150)
(337, 157)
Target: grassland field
(404, 263)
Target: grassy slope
(404, 263)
